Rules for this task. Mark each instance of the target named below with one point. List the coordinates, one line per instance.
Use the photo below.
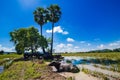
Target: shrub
(1, 52)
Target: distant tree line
(1, 52)
(105, 50)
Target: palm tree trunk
(41, 35)
(43, 50)
(32, 49)
(41, 30)
(52, 38)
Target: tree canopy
(27, 39)
(40, 16)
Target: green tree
(40, 16)
(54, 16)
(1, 52)
(116, 50)
(19, 38)
(19, 48)
(27, 39)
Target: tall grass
(111, 55)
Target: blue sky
(85, 24)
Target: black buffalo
(64, 67)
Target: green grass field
(111, 55)
(10, 56)
(6, 57)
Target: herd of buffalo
(57, 62)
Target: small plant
(105, 78)
(95, 65)
(68, 61)
(8, 64)
(70, 78)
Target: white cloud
(49, 31)
(85, 43)
(101, 46)
(66, 48)
(114, 44)
(7, 49)
(61, 45)
(85, 47)
(70, 40)
(76, 47)
(57, 29)
(65, 32)
(111, 45)
(69, 45)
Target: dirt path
(92, 68)
(82, 76)
(22, 72)
(79, 76)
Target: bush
(70, 78)
(1, 52)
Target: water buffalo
(64, 67)
(28, 56)
(56, 65)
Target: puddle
(89, 60)
(1, 69)
(77, 60)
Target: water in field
(1, 69)
(89, 60)
(78, 60)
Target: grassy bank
(30, 70)
(22, 70)
(27, 70)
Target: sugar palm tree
(40, 16)
(54, 16)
